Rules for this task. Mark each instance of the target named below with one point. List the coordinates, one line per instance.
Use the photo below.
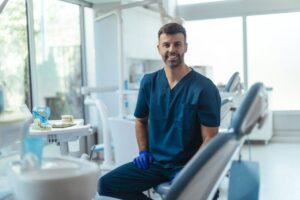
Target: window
(14, 54)
(273, 48)
(58, 57)
(217, 43)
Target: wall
(140, 28)
(286, 126)
(106, 59)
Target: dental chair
(226, 106)
(234, 83)
(202, 175)
(232, 92)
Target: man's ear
(186, 47)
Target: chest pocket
(190, 119)
(185, 113)
(157, 112)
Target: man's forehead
(177, 37)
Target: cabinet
(137, 67)
(205, 70)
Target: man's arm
(208, 133)
(141, 126)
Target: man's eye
(166, 45)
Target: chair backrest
(199, 178)
(226, 105)
(252, 110)
(234, 83)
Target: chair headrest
(252, 110)
(233, 83)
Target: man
(177, 112)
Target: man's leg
(128, 181)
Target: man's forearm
(141, 130)
(208, 133)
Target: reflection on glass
(14, 54)
(217, 44)
(274, 46)
(58, 57)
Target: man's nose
(172, 48)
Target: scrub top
(174, 115)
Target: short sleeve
(142, 105)
(210, 106)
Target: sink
(59, 178)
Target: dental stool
(201, 176)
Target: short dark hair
(172, 28)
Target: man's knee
(104, 187)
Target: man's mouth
(172, 57)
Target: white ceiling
(220, 8)
(109, 1)
(233, 8)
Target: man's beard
(174, 64)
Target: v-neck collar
(179, 82)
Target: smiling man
(177, 112)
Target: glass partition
(58, 57)
(273, 56)
(217, 46)
(14, 54)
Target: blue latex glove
(143, 160)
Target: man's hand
(143, 160)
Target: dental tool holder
(63, 135)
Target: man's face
(172, 48)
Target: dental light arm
(103, 113)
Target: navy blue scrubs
(175, 115)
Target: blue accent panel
(230, 82)
(244, 181)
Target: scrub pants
(128, 181)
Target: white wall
(140, 28)
(286, 123)
(140, 33)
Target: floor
(279, 169)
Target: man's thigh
(129, 178)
